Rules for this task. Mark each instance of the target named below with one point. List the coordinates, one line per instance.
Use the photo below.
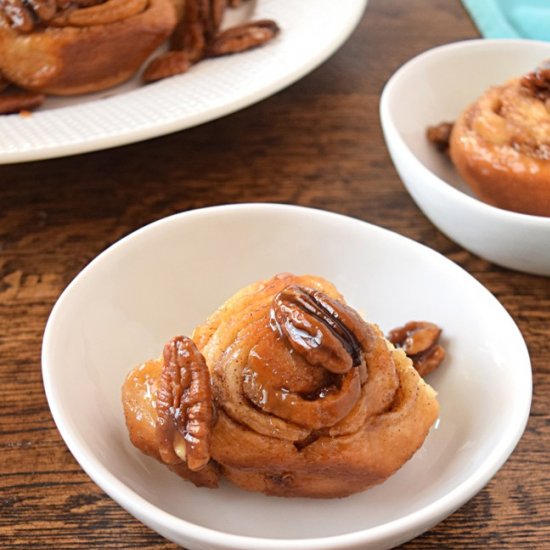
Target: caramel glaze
(285, 424)
(139, 397)
(315, 304)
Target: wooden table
(318, 144)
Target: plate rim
(130, 136)
(397, 530)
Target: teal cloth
(511, 18)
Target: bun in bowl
(287, 391)
(500, 145)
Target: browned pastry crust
(308, 399)
(85, 49)
(501, 145)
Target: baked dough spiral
(307, 399)
(68, 47)
(500, 145)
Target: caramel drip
(309, 369)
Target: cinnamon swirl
(500, 145)
(284, 390)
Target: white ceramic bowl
(437, 86)
(165, 278)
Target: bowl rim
(150, 514)
(390, 126)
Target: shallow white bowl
(165, 278)
(437, 86)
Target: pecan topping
(189, 36)
(198, 35)
(184, 405)
(317, 380)
(26, 15)
(420, 341)
(440, 135)
(538, 82)
(313, 326)
(165, 65)
(19, 101)
(244, 37)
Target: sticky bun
(68, 47)
(284, 390)
(500, 145)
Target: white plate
(311, 31)
(165, 278)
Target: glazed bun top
(500, 145)
(517, 115)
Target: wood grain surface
(317, 143)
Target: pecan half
(184, 405)
(313, 325)
(324, 333)
(440, 135)
(537, 83)
(243, 37)
(189, 35)
(420, 341)
(198, 35)
(165, 65)
(18, 101)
